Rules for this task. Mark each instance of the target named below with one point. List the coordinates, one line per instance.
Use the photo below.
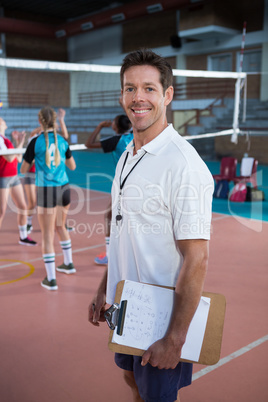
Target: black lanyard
(125, 179)
(121, 185)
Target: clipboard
(211, 346)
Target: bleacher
(80, 121)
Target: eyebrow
(144, 83)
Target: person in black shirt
(117, 145)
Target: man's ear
(169, 95)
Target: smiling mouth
(140, 111)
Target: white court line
(232, 356)
(218, 218)
(41, 258)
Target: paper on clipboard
(147, 318)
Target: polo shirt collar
(156, 145)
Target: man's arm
(166, 352)
(96, 308)
(91, 141)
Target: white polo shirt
(166, 197)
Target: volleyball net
(90, 93)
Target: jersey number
(51, 151)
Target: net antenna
(240, 84)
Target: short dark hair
(148, 57)
(123, 123)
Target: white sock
(49, 260)
(29, 220)
(66, 247)
(107, 244)
(23, 231)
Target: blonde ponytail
(48, 117)
(57, 152)
(48, 161)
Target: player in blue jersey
(117, 145)
(51, 154)
(29, 178)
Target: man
(162, 196)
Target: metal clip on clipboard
(115, 316)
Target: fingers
(146, 357)
(96, 314)
(93, 316)
(106, 123)
(15, 134)
(61, 113)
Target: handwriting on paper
(148, 315)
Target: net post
(245, 101)
(236, 111)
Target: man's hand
(164, 354)
(96, 310)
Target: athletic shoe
(27, 242)
(50, 285)
(67, 269)
(29, 228)
(69, 228)
(101, 259)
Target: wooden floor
(50, 353)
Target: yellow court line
(22, 277)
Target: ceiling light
(60, 33)
(118, 17)
(87, 25)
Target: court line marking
(18, 262)
(218, 218)
(41, 258)
(229, 358)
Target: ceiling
(63, 10)
(63, 18)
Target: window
(251, 61)
(220, 62)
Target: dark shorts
(12, 181)
(156, 385)
(29, 178)
(50, 197)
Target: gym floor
(49, 351)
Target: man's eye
(149, 89)
(129, 89)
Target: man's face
(144, 99)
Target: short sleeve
(3, 146)
(30, 151)
(68, 153)
(191, 205)
(109, 145)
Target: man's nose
(138, 95)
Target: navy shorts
(50, 197)
(156, 385)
